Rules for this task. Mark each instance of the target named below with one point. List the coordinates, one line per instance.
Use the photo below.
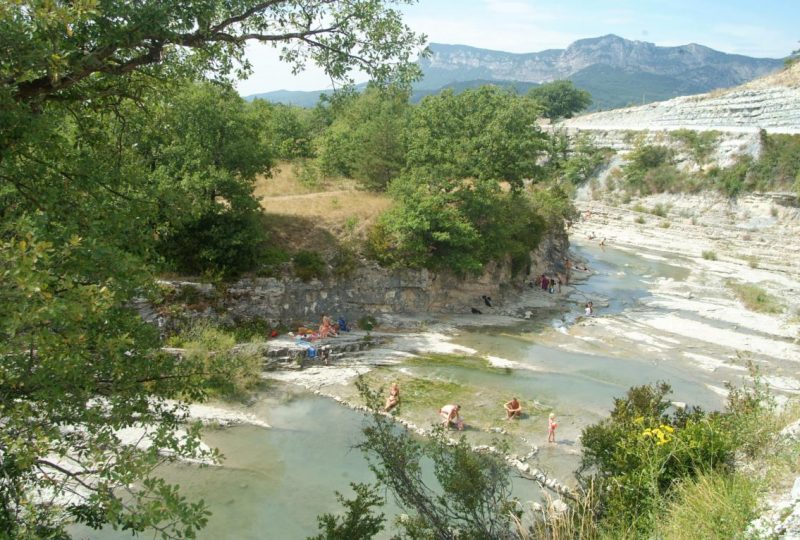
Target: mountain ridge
(616, 71)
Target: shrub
(659, 210)
(664, 224)
(699, 143)
(227, 372)
(271, 260)
(709, 255)
(345, 262)
(222, 241)
(308, 265)
(639, 452)
(640, 220)
(754, 297)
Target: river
(274, 482)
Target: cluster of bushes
(228, 372)
(651, 168)
(455, 164)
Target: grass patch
(660, 210)
(709, 255)
(752, 260)
(754, 297)
(711, 506)
(456, 360)
(640, 220)
(664, 224)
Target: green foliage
(220, 240)
(289, 130)
(637, 454)
(584, 161)
(659, 210)
(754, 297)
(309, 265)
(718, 506)
(345, 261)
(271, 259)
(359, 521)
(474, 489)
(560, 99)
(106, 149)
(701, 144)
(778, 167)
(709, 255)
(230, 373)
(367, 322)
(366, 139)
(650, 169)
(458, 226)
(486, 133)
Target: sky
(760, 28)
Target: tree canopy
(560, 99)
(107, 151)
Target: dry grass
(300, 216)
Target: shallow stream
(274, 482)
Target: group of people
(450, 413)
(550, 284)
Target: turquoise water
(274, 482)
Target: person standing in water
(551, 428)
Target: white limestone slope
(771, 103)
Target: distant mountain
(310, 98)
(616, 71)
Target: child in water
(551, 428)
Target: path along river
(274, 482)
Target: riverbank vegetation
(653, 168)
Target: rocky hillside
(771, 103)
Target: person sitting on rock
(449, 414)
(513, 409)
(326, 328)
(394, 397)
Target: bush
(308, 265)
(659, 210)
(699, 143)
(754, 297)
(227, 372)
(219, 241)
(640, 451)
(640, 220)
(709, 255)
(345, 262)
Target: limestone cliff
(373, 290)
(771, 103)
